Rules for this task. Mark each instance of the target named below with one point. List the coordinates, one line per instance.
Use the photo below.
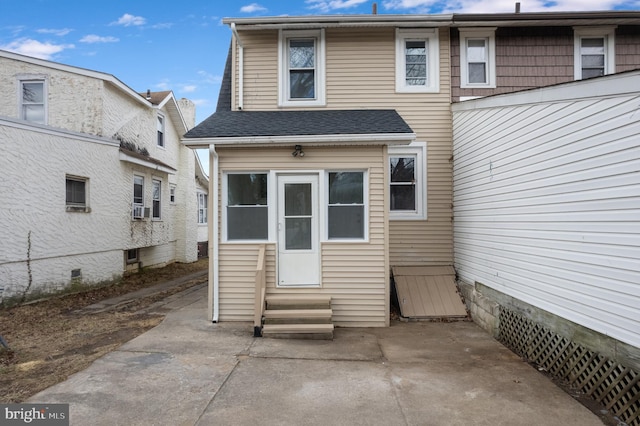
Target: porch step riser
(298, 317)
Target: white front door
(298, 242)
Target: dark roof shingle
(232, 124)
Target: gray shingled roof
(230, 124)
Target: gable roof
(321, 126)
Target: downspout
(214, 232)
(240, 66)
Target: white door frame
(299, 266)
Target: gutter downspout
(240, 66)
(214, 281)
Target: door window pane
(298, 233)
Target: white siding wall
(547, 200)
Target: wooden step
(298, 302)
(297, 316)
(298, 331)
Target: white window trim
(202, 206)
(28, 78)
(172, 193)
(324, 202)
(419, 149)
(270, 206)
(159, 181)
(608, 33)
(283, 68)
(164, 131)
(484, 33)
(433, 60)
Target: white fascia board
(147, 164)
(329, 21)
(174, 111)
(309, 140)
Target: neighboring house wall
(360, 74)
(353, 273)
(89, 115)
(529, 57)
(547, 201)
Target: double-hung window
(477, 58)
(33, 101)
(202, 208)
(138, 197)
(246, 209)
(594, 51)
(160, 128)
(301, 56)
(157, 196)
(417, 60)
(407, 182)
(76, 193)
(346, 212)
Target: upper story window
(138, 197)
(246, 206)
(76, 193)
(33, 97)
(408, 182)
(301, 57)
(417, 60)
(477, 58)
(172, 194)
(594, 51)
(160, 126)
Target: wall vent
(614, 386)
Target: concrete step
(298, 316)
(298, 302)
(298, 331)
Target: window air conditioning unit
(138, 211)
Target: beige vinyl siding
(360, 73)
(354, 274)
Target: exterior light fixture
(298, 151)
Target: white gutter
(240, 66)
(214, 279)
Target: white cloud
(502, 6)
(162, 26)
(34, 48)
(252, 8)
(163, 85)
(210, 78)
(92, 38)
(189, 88)
(329, 5)
(128, 20)
(59, 32)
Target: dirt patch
(49, 340)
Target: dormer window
(32, 101)
(301, 65)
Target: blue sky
(182, 46)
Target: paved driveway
(188, 371)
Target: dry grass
(50, 341)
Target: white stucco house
(95, 180)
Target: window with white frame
(172, 194)
(346, 208)
(138, 197)
(301, 58)
(156, 192)
(477, 58)
(417, 60)
(160, 128)
(246, 206)
(202, 208)
(594, 51)
(76, 193)
(33, 97)
(408, 182)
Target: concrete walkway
(188, 371)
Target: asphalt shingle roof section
(230, 124)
